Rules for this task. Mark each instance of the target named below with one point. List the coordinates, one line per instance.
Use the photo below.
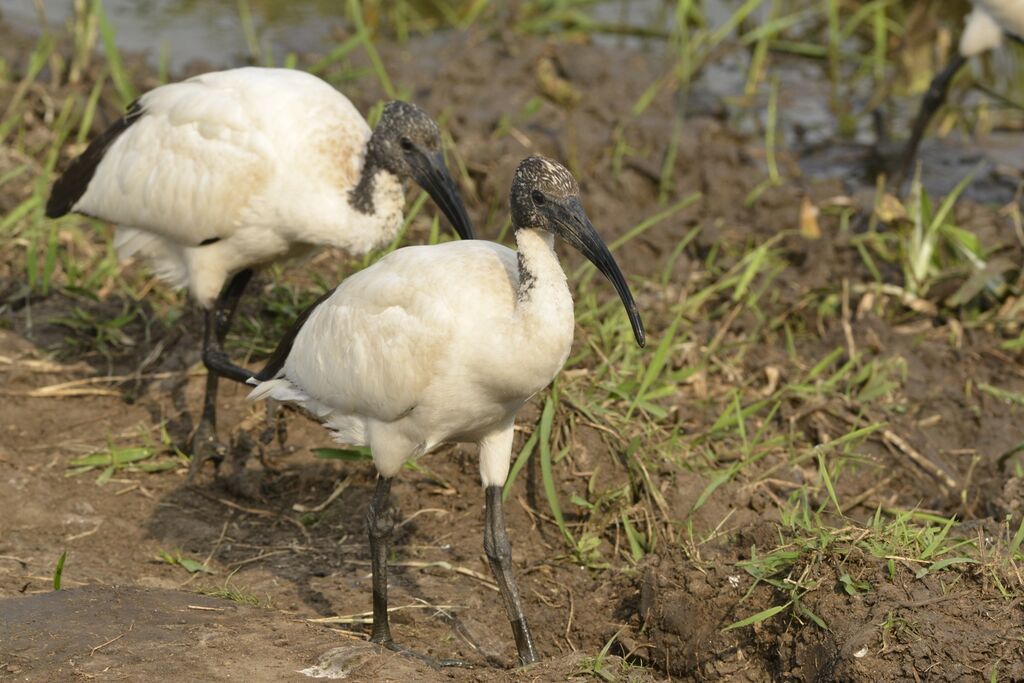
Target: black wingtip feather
(70, 187)
(284, 347)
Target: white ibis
(227, 171)
(985, 26)
(444, 343)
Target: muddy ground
(126, 614)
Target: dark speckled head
(402, 126)
(545, 196)
(538, 178)
(407, 143)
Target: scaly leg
(218, 320)
(930, 103)
(380, 523)
(499, 554)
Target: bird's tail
(286, 392)
(165, 257)
(277, 389)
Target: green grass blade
(757, 618)
(942, 564)
(338, 53)
(657, 363)
(120, 456)
(85, 125)
(754, 264)
(1017, 538)
(521, 460)
(716, 481)
(827, 480)
(938, 539)
(355, 11)
(37, 60)
(636, 547)
(249, 31)
(546, 419)
(122, 81)
(58, 571)
(354, 454)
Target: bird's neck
(538, 264)
(375, 207)
(543, 311)
(361, 196)
(542, 282)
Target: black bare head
(536, 180)
(407, 143)
(403, 128)
(545, 196)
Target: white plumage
(987, 22)
(430, 345)
(261, 159)
(228, 171)
(445, 343)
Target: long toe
(429, 661)
(246, 483)
(205, 447)
(275, 426)
(242, 481)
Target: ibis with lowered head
(988, 23)
(445, 343)
(222, 173)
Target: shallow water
(212, 31)
(188, 30)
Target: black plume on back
(70, 187)
(284, 347)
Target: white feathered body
(987, 22)
(260, 160)
(430, 345)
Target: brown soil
(934, 635)
(124, 614)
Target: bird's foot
(205, 447)
(245, 483)
(275, 426)
(242, 481)
(429, 661)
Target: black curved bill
(574, 227)
(430, 172)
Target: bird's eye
(538, 197)
(406, 144)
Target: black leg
(218, 321)
(499, 554)
(380, 523)
(930, 103)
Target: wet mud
(124, 613)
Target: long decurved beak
(431, 173)
(573, 225)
